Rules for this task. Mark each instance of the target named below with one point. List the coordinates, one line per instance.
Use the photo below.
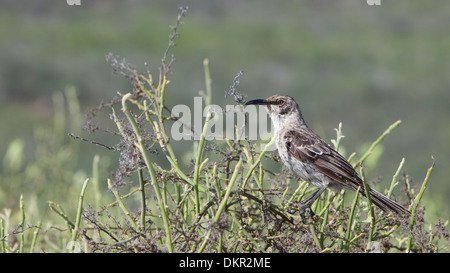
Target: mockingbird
(307, 155)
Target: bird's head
(281, 109)
(279, 105)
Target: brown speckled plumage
(314, 161)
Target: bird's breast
(303, 170)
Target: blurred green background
(366, 66)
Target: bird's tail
(385, 203)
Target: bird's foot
(305, 211)
(306, 214)
(293, 206)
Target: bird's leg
(301, 204)
(305, 205)
(309, 198)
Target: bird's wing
(306, 146)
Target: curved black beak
(257, 102)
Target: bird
(312, 159)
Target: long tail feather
(386, 204)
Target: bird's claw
(306, 214)
(295, 204)
(305, 211)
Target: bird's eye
(280, 102)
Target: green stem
(173, 162)
(2, 236)
(79, 210)
(352, 214)
(35, 235)
(22, 224)
(121, 205)
(371, 209)
(162, 88)
(59, 210)
(252, 168)
(223, 203)
(143, 204)
(141, 146)
(198, 162)
(394, 178)
(376, 142)
(208, 81)
(314, 236)
(228, 192)
(416, 201)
